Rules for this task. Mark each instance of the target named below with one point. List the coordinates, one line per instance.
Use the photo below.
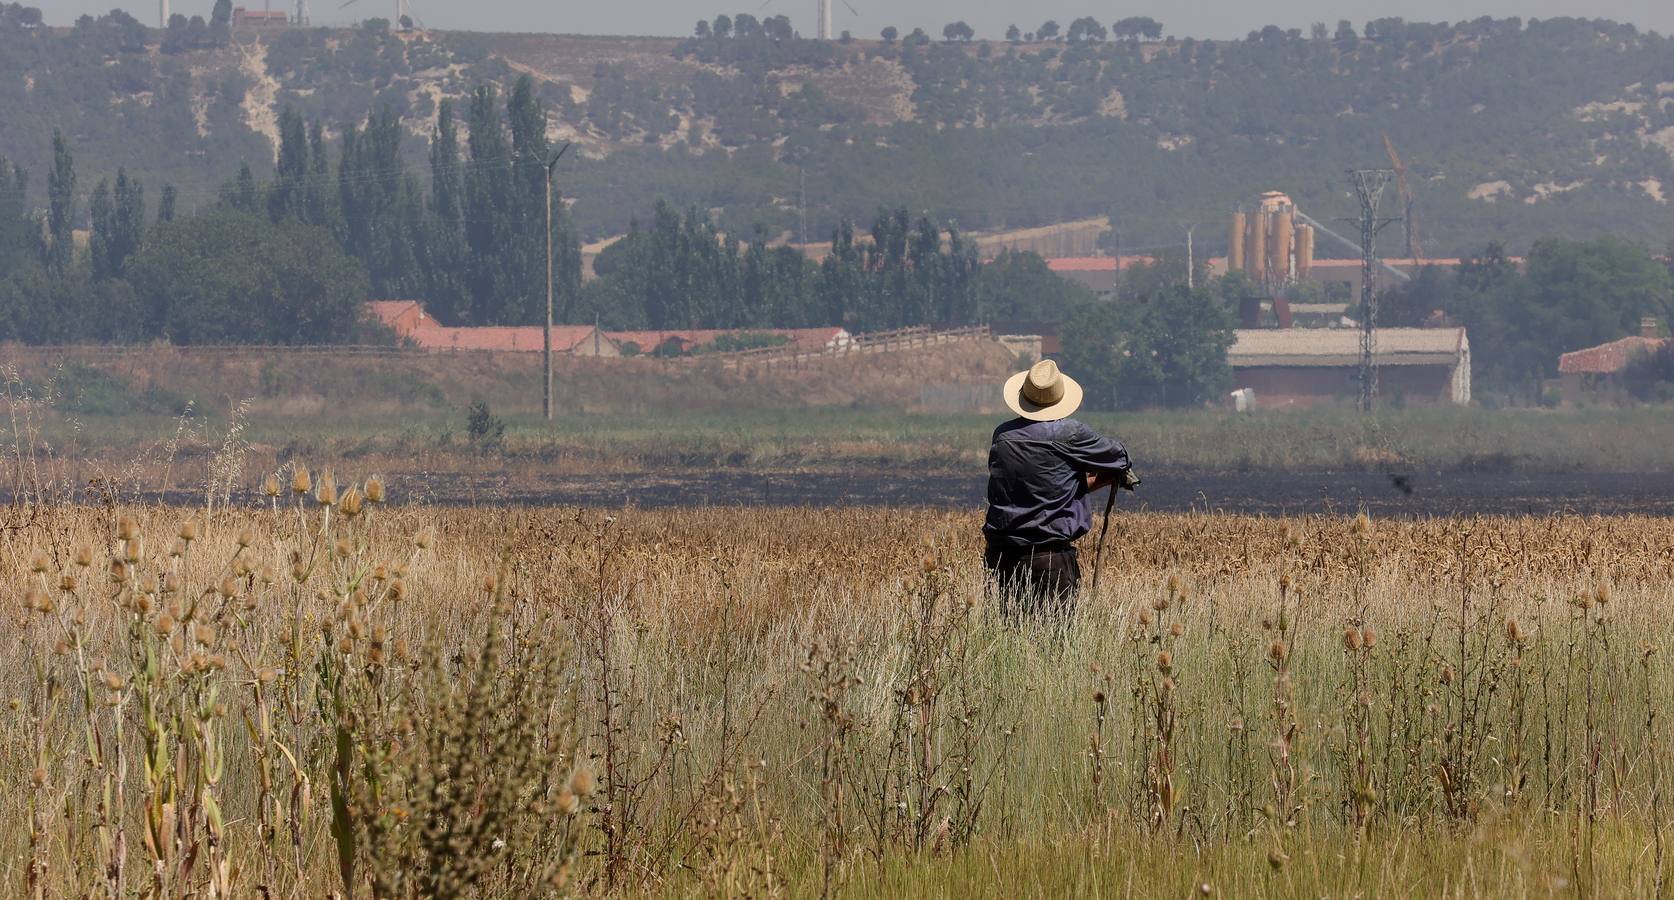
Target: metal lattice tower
(1368, 189)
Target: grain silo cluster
(1270, 245)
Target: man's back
(1037, 483)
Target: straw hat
(1042, 394)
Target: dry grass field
(335, 696)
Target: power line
(1368, 189)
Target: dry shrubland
(334, 695)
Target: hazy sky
(1195, 18)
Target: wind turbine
(822, 13)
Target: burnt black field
(1410, 493)
(1395, 494)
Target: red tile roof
(1607, 359)
(1095, 263)
(402, 316)
(1397, 263)
(408, 319)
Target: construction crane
(1409, 219)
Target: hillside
(1513, 130)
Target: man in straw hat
(1041, 467)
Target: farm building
(1303, 366)
(410, 322)
(1596, 372)
(259, 18)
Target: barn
(1307, 366)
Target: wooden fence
(874, 342)
(856, 345)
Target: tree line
(289, 258)
(680, 271)
(1567, 295)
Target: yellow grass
(508, 702)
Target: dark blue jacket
(1037, 484)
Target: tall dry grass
(330, 695)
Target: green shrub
(80, 388)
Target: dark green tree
(287, 198)
(958, 31)
(165, 204)
(17, 229)
(232, 277)
(102, 217)
(1018, 287)
(61, 206)
(1164, 349)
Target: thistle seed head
(583, 782)
(326, 493)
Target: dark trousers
(1035, 583)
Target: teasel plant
(1160, 770)
(1359, 641)
(829, 672)
(1285, 812)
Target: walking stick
(1129, 480)
(1104, 532)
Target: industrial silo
(1284, 233)
(1235, 246)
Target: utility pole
(1191, 260)
(1116, 241)
(546, 334)
(802, 201)
(1368, 189)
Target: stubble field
(335, 695)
